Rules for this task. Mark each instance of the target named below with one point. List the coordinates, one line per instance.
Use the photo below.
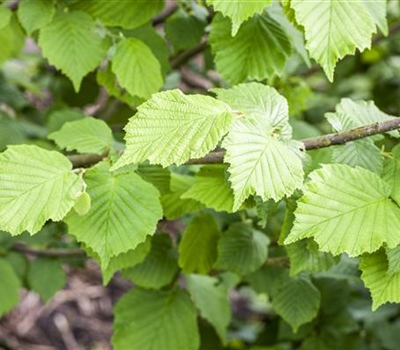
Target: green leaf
(71, 44)
(184, 30)
(393, 259)
(239, 11)
(242, 249)
(262, 159)
(106, 78)
(260, 163)
(210, 187)
(36, 14)
(391, 173)
(346, 210)
(279, 14)
(198, 248)
(305, 257)
(124, 260)
(334, 29)
(9, 291)
(158, 268)
(297, 301)
(83, 204)
(137, 69)
(150, 320)
(86, 135)
(46, 277)
(35, 185)
(173, 128)
(384, 286)
(352, 114)
(12, 38)
(361, 153)
(256, 100)
(125, 209)
(157, 44)
(126, 14)
(5, 16)
(211, 297)
(156, 175)
(377, 9)
(56, 119)
(173, 205)
(258, 51)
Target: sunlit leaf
(125, 210)
(182, 127)
(35, 185)
(346, 210)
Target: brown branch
(165, 14)
(309, 144)
(185, 56)
(82, 160)
(49, 252)
(351, 135)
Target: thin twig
(309, 144)
(48, 252)
(164, 15)
(185, 56)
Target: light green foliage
(35, 185)
(261, 102)
(159, 266)
(9, 287)
(5, 16)
(124, 260)
(157, 44)
(211, 297)
(106, 78)
(83, 204)
(11, 37)
(334, 29)
(86, 135)
(137, 69)
(184, 30)
(36, 14)
(71, 43)
(297, 300)
(261, 159)
(156, 175)
(173, 204)
(377, 9)
(362, 153)
(242, 249)
(211, 188)
(127, 14)
(56, 119)
(384, 286)
(352, 114)
(125, 209)
(46, 277)
(393, 259)
(346, 210)
(150, 320)
(305, 257)
(391, 173)
(183, 127)
(239, 11)
(258, 51)
(198, 247)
